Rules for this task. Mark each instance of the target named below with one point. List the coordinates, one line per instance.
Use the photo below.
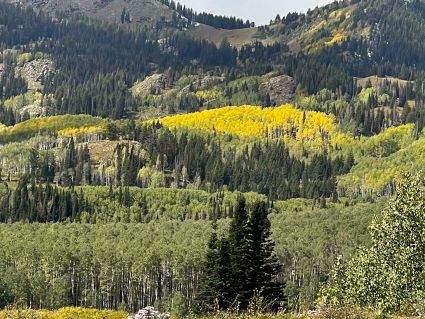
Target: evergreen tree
(242, 265)
(265, 266)
(208, 293)
(5, 297)
(240, 246)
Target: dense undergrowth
(81, 313)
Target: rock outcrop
(149, 313)
(35, 71)
(153, 84)
(280, 88)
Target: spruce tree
(225, 274)
(264, 266)
(239, 239)
(5, 297)
(242, 265)
(208, 292)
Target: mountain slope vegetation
(144, 13)
(129, 136)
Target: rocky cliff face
(35, 72)
(153, 84)
(280, 88)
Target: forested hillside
(144, 163)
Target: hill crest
(144, 12)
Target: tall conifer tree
(242, 265)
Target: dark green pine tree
(5, 297)
(118, 164)
(238, 267)
(217, 276)
(239, 238)
(224, 270)
(208, 293)
(264, 266)
(21, 199)
(349, 163)
(71, 155)
(34, 163)
(126, 197)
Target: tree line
(216, 21)
(190, 160)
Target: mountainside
(131, 131)
(143, 12)
(380, 25)
(383, 25)
(373, 23)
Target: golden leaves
(252, 121)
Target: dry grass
(377, 81)
(237, 38)
(102, 151)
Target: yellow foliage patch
(317, 26)
(208, 95)
(336, 14)
(66, 124)
(252, 121)
(63, 313)
(81, 131)
(23, 58)
(77, 313)
(336, 39)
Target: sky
(259, 11)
